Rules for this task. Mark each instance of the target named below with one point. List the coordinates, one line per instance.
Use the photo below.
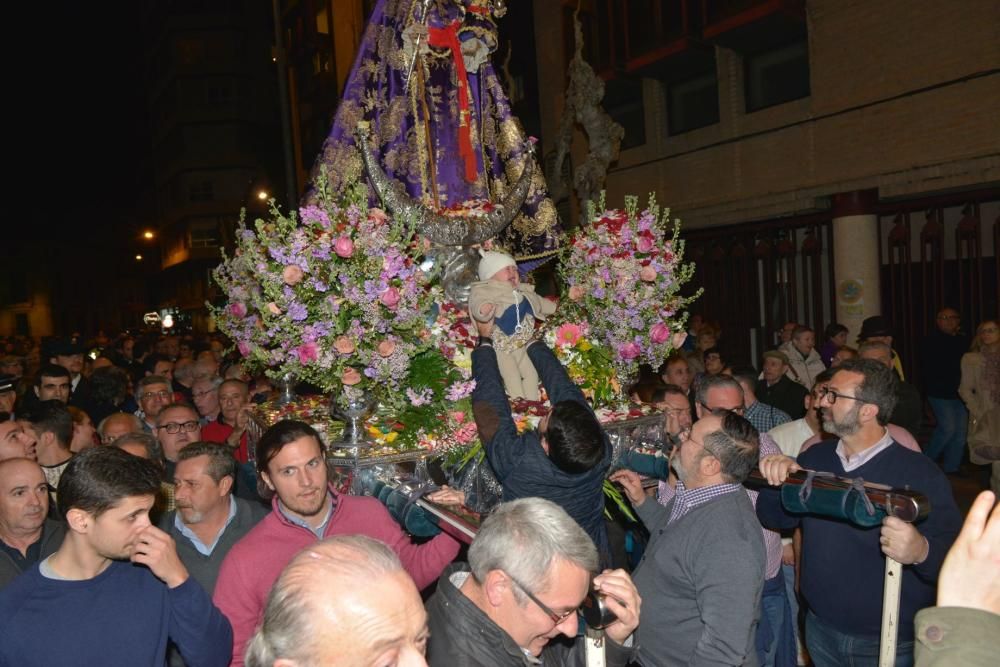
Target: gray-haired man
(530, 568)
(703, 570)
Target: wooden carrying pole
(890, 612)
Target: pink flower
(567, 335)
(378, 215)
(244, 348)
(660, 333)
(350, 377)
(644, 243)
(343, 246)
(629, 351)
(575, 293)
(292, 275)
(467, 433)
(458, 416)
(343, 345)
(237, 309)
(386, 348)
(390, 298)
(648, 274)
(273, 307)
(307, 352)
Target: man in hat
(774, 388)
(876, 329)
(8, 393)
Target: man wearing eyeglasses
(176, 426)
(152, 393)
(843, 566)
(515, 603)
(702, 574)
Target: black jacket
(786, 395)
(462, 635)
(52, 537)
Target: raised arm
(553, 375)
(497, 430)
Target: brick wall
(905, 97)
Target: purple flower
(297, 312)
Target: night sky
(77, 147)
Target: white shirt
(791, 435)
(863, 457)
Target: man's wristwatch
(484, 340)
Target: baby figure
(515, 307)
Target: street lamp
(148, 235)
(262, 195)
(138, 258)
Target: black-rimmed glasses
(553, 616)
(174, 427)
(832, 396)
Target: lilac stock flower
(297, 311)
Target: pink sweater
(254, 563)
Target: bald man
(26, 535)
(344, 602)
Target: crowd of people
(136, 513)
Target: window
(624, 103)
(322, 18)
(201, 191)
(693, 103)
(776, 76)
(204, 233)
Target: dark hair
(834, 329)
(736, 445)
(646, 389)
(52, 416)
(661, 393)
(149, 363)
(99, 478)
(279, 435)
(109, 385)
(824, 377)
(747, 374)
(714, 350)
(711, 382)
(220, 458)
(878, 387)
(576, 441)
(51, 371)
(153, 449)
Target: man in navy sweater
(86, 604)
(843, 565)
(565, 461)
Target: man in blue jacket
(565, 461)
(115, 591)
(843, 565)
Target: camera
(595, 611)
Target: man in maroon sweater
(291, 463)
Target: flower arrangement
(333, 296)
(621, 304)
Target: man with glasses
(843, 566)
(176, 426)
(702, 574)
(152, 393)
(515, 603)
(775, 628)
